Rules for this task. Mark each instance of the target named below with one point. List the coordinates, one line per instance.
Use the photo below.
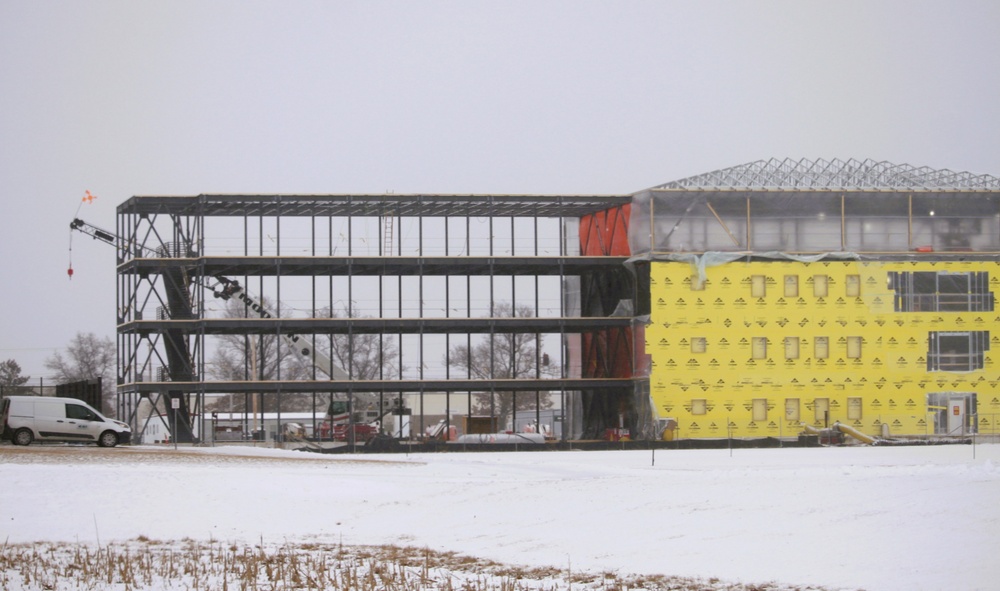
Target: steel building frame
(383, 259)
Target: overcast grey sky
(137, 98)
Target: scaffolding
(394, 289)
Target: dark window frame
(958, 351)
(941, 291)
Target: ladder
(387, 235)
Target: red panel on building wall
(605, 232)
(607, 353)
(613, 347)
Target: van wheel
(23, 437)
(108, 439)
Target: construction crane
(226, 289)
(94, 231)
(230, 288)
(179, 362)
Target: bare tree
(10, 376)
(362, 356)
(88, 357)
(507, 356)
(255, 357)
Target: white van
(24, 419)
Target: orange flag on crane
(88, 198)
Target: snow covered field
(901, 518)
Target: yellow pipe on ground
(848, 430)
(845, 429)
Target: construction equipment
(179, 362)
(442, 431)
(225, 288)
(230, 288)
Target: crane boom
(93, 231)
(229, 288)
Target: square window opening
(792, 408)
(821, 285)
(821, 347)
(854, 347)
(759, 409)
(791, 347)
(854, 408)
(791, 286)
(852, 286)
(821, 407)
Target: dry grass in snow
(146, 565)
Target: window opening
(791, 347)
(820, 284)
(941, 291)
(698, 344)
(854, 408)
(852, 286)
(821, 347)
(791, 286)
(759, 347)
(759, 409)
(854, 347)
(792, 409)
(957, 351)
(698, 406)
(758, 286)
(821, 406)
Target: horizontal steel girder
(358, 386)
(321, 326)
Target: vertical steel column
(199, 375)
(562, 314)
(278, 344)
(909, 222)
(652, 223)
(420, 290)
(468, 314)
(843, 225)
(202, 305)
(350, 293)
(493, 376)
(512, 337)
(447, 335)
(749, 234)
(538, 337)
(399, 306)
(350, 314)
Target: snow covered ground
(895, 518)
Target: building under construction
(423, 274)
(751, 302)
